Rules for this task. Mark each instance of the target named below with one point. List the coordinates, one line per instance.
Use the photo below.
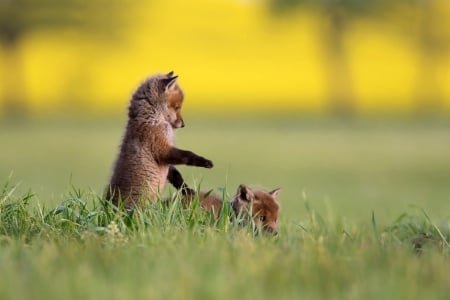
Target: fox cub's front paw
(206, 163)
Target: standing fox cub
(147, 152)
(263, 206)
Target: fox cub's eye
(262, 218)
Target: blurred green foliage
(20, 17)
(425, 22)
(336, 57)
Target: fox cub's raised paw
(206, 163)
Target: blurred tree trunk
(428, 96)
(341, 101)
(337, 14)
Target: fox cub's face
(174, 104)
(173, 96)
(263, 206)
(159, 98)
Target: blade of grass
(376, 233)
(444, 240)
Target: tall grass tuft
(81, 214)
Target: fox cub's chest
(168, 132)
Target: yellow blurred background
(233, 57)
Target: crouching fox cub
(262, 205)
(147, 152)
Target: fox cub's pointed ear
(170, 74)
(275, 192)
(168, 83)
(245, 193)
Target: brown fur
(147, 151)
(263, 205)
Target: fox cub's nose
(178, 124)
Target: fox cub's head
(174, 99)
(158, 98)
(263, 206)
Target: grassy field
(356, 197)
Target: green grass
(365, 214)
(82, 248)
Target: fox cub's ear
(275, 192)
(168, 82)
(245, 193)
